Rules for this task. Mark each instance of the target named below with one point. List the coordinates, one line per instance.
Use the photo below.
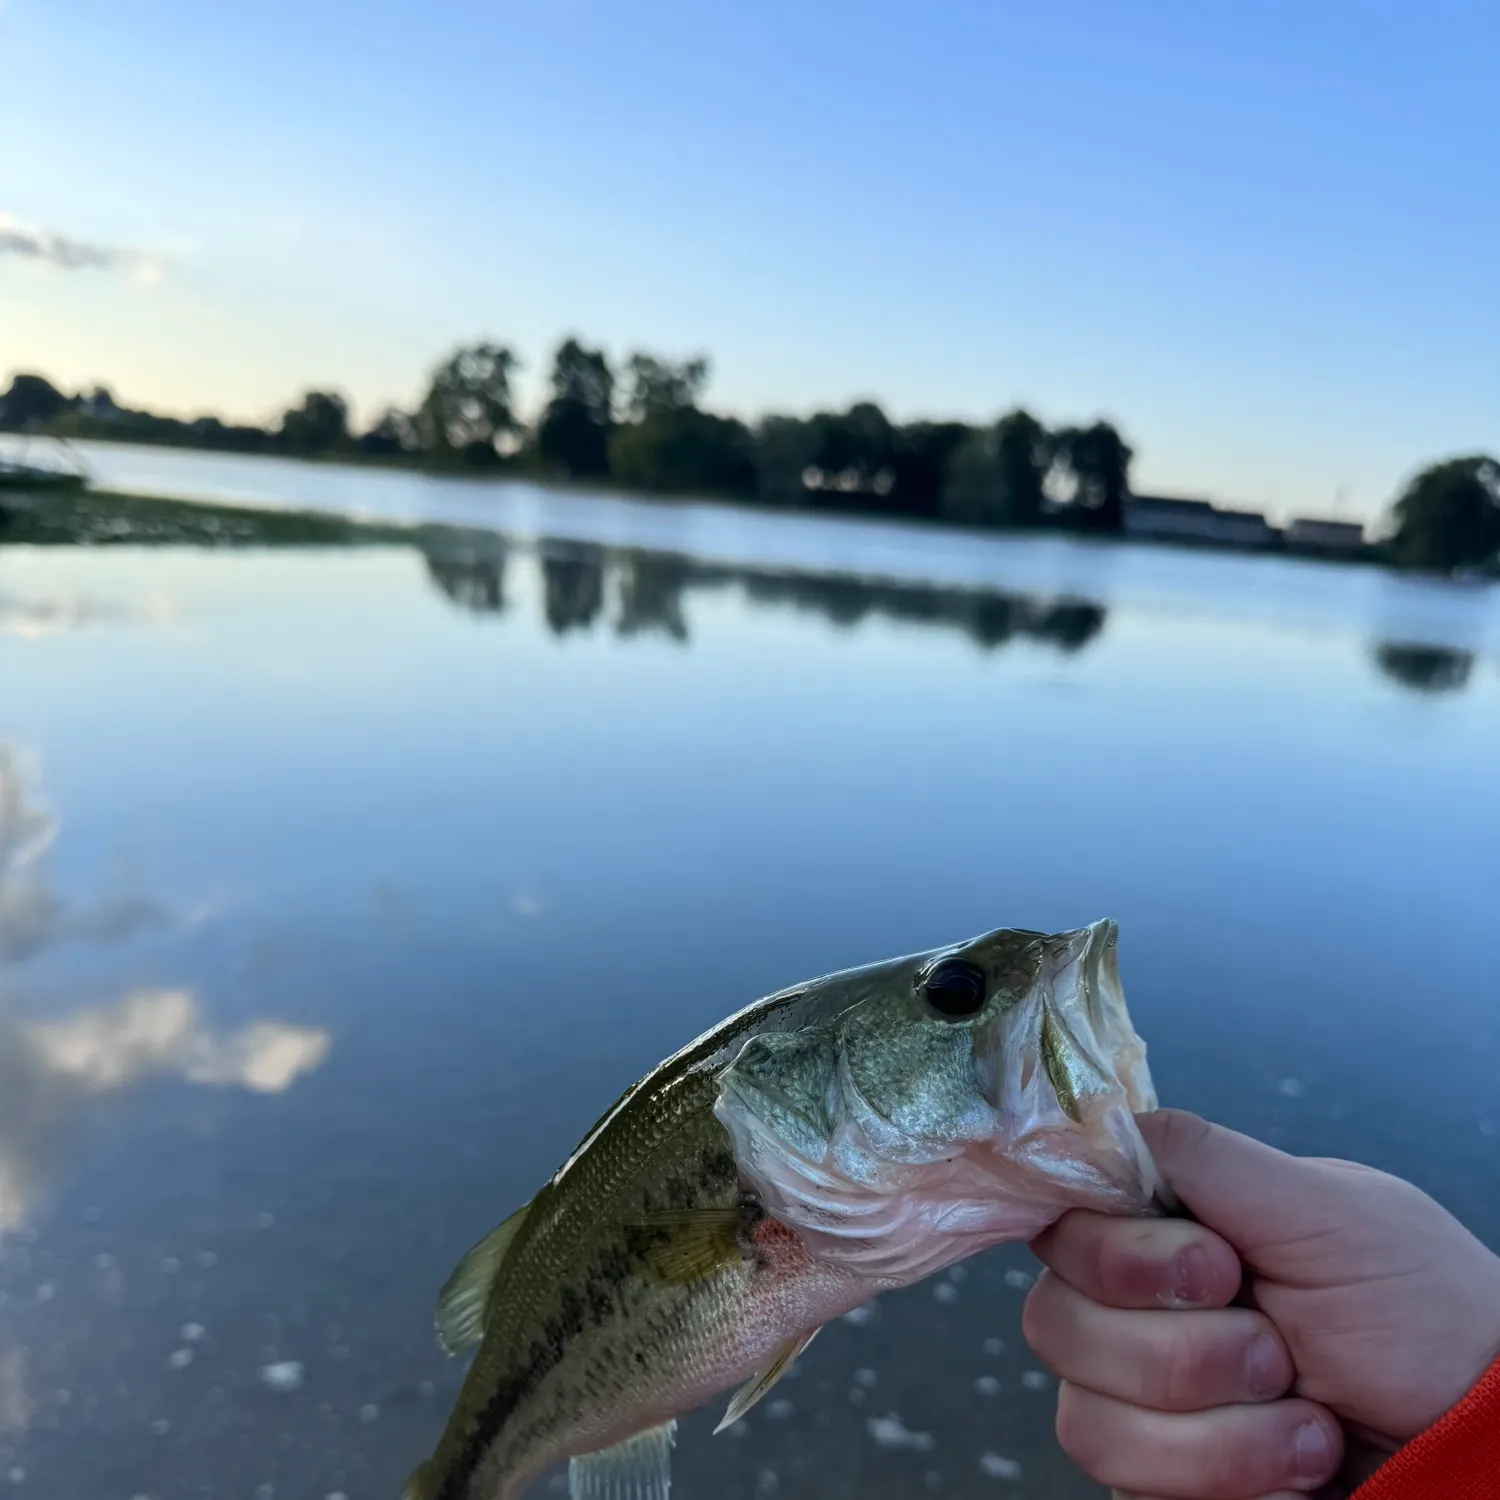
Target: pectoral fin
(640, 1468)
(762, 1381)
(693, 1243)
(465, 1297)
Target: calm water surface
(341, 889)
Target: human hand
(1374, 1311)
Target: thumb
(1255, 1196)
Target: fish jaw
(1050, 1126)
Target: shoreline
(506, 476)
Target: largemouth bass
(841, 1138)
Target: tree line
(644, 426)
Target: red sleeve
(1457, 1458)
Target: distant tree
(1095, 470)
(658, 386)
(995, 476)
(685, 451)
(319, 424)
(32, 401)
(393, 433)
(1023, 454)
(99, 404)
(919, 465)
(468, 411)
(971, 489)
(853, 452)
(783, 453)
(1448, 517)
(573, 435)
(202, 432)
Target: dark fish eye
(955, 989)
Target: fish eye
(955, 989)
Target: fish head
(935, 1105)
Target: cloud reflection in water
(32, 915)
(49, 1069)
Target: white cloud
(60, 252)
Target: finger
(1141, 1262)
(1230, 1453)
(1167, 1361)
(1245, 1188)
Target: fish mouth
(1072, 1072)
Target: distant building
(1308, 534)
(1168, 518)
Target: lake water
(341, 888)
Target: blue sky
(1260, 238)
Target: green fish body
(832, 1141)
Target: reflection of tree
(49, 1069)
(841, 601)
(1425, 669)
(476, 584)
(653, 587)
(988, 617)
(651, 590)
(573, 579)
(1070, 625)
(994, 619)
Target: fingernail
(1314, 1448)
(1265, 1370)
(1190, 1276)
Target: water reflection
(648, 591)
(652, 585)
(573, 585)
(1425, 669)
(989, 618)
(476, 584)
(32, 915)
(405, 858)
(50, 1069)
(161, 1031)
(16, 1404)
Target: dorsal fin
(464, 1302)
